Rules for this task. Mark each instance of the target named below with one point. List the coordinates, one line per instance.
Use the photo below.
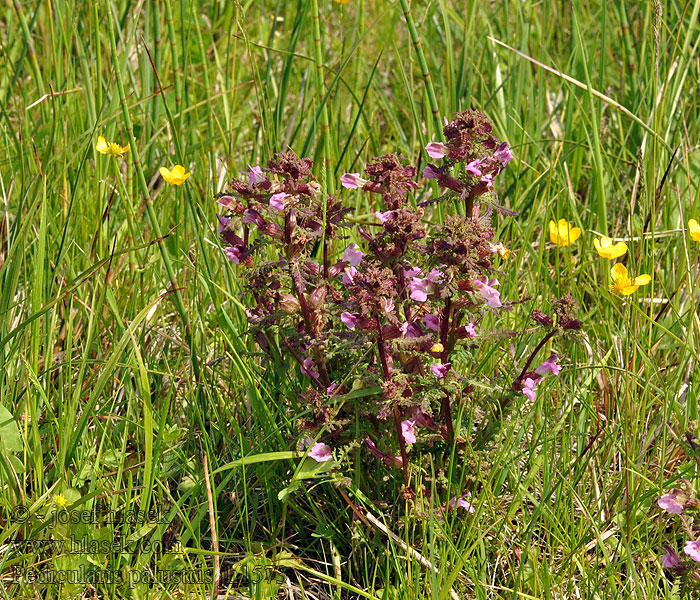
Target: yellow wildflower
(503, 252)
(607, 249)
(563, 234)
(59, 501)
(694, 230)
(341, 1)
(621, 282)
(110, 148)
(437, 348)
(175, 177)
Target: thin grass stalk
(176, 63)
(146, 198)
(425, 72)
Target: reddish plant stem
(444, 338)
(386, 369)
(539, 347)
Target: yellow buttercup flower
(694, 230)
(607, 249)
(59, 501)
(110, 148)
(562, 233)
(175, 177)
(621, 282)
(341, 1)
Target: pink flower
(321, 452)
(431, 322)
(673, 501)
(421, 287)
(503, 154)
(308, 368)
(411, 272)
(352, 181)
(473, 168)
(233, 253)
(256, 175)
(437, 150)
(348, 319)
(469, 328)
(440, 369)
(384, 216)
(549, 366)
(409, 330)
(277, 200)
(408, 431)
(491, 296)
(349, 275)
(671, 560)
(461, 502)
(430, 173)
(330, 390)
(387, 304)
(488, 180)
(529, 386)
(692, 549)
(352, 255)
(252, 217)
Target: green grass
(122, 326)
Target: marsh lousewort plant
(382, 314)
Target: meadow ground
(128, 380)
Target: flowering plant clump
(382, 319)
(684, 505)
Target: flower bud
(289, 304)
(336, 269)
(542, 318)
(317, 297)
(391, 332)
(273, 230)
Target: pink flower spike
(440, 369)
(469, 328)
(352, 181)
(673, 501)
(692, 549)
(431, 322)
(473, 168)
(348, 319)
(349, 275)
(408, 431)
(671, 560)
(352, 255)
(256, 175)
(430, 173)
(277, 200)
(321, 452)
(437, 150)
(384, 216)
(549, 366)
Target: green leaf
(9, 432)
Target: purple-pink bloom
(440, 369)
(469, 328)
(549, 366)
(348, 319)
(252, 217)
(384, 216)
(671, 560)
(352, 181)
(437, 150)
(277, 200)
(488, 180)
(387, 304)
(352, 255)
(430, 173)
(491, 296)
(461, 502)
(503, 154)
(408, 431)
(420, 287)
(473, 168)
(409, 330)
(321, 452)
(233, 253)
(307, 368)
(528, 389)
(349, 275)
(330, 390)
(673, 501)
(411, 272)
(256, 175)
(431, 321)
(692, 549)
